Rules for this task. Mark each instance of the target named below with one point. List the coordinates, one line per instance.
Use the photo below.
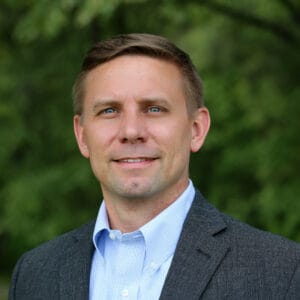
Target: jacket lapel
(198, 254)
(75, 269)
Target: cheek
(175, 129)
(175, 139)
(99, 138)
(172, 135)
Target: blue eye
(154, 109)
(109, 110)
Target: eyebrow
(153, 101)
(105, 103)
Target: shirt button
(112, 235)
(125, 293)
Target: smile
(134, 160)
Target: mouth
(135, 160)
(135, 163)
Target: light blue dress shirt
(134, 265)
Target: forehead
(134, 74)
(140, 63)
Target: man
(139, 112)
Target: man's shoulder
(61, 244)
(36, 274)
(233, 260)
(250, 237)
(241, 235)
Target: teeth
(134, 160)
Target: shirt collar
(161, 234)
(101, 225)
(163, 230)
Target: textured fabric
(216, 257)
(134, 265)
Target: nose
(132, 128)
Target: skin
(138, 135)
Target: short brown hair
(140, 44)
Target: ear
(80, 136)
(200, 127)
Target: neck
(128, 215)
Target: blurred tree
(252, 82)
(247, 54)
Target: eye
(154, 109)
(107, 113)
(108, 110)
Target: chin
(136, 190)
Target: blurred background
(247, 53)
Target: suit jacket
(216, 257)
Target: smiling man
(135, 128)
(139, 113)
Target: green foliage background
(247, 53)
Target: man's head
(140, 44)
(136, 123)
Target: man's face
(135, 128)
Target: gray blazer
(216, 257)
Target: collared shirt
(134, 265)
